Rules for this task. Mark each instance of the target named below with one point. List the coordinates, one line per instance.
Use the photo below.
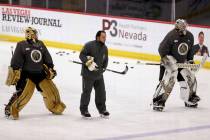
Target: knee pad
(23, 99)
(51, 97)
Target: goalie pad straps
(22, 100)
(51, 97)
(12, 77)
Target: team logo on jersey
(36, 56)
(183, 48)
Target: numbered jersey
(179, 46)
(30, 56)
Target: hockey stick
(181, 65)
(123, 72)
(144, 63)
(12, 50)
(114, 71)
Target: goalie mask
(31, 34)
(181, 26)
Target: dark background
(194, 11)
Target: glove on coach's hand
(92, 66)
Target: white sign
(122, 34)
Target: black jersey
(30, 56)
(179, 46)
(97, 50)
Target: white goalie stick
(196, 67)
(114, 71)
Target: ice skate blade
(159, 109)
(104, 116)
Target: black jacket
(202, 50)
(30, 56)
(179, 46)
(97, 50)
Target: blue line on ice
(157, 133)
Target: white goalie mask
(181, 26)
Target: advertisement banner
(123, 34)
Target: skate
(194, 99)
(86, 114)
(105, 114)
(7, 111)
(157, 106)
(191, 106)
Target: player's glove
(92, 66)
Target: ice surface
(128, 100)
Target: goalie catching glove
(92, 66)
(13, 76)
(50, 72)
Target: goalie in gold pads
(32, 67)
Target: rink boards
(126, 37)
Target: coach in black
(94, 57)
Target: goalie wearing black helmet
(32, 66)
(176, 47)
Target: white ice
(128, 100)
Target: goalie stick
(181, 65)
(114, 71)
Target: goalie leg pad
(190, 87)
(51, 97)
(164, 88)
(19, 103)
